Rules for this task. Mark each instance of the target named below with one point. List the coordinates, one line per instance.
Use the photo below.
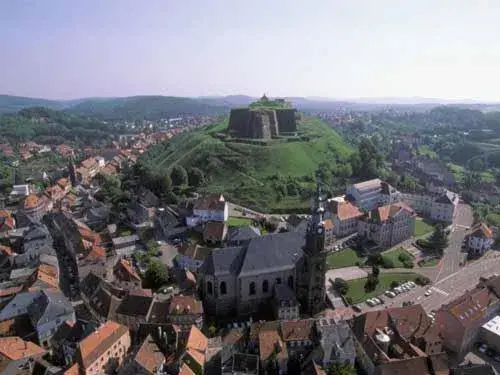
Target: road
(449, 279)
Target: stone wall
(261, 123)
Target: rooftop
(149, 356)
(493, 325)
(16, 348)
(182, 305)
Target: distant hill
(253, 174)
(146, 107)
(10, 104)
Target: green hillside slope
(277, 176)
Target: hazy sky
(350, 48)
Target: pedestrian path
(440, 291)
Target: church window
(209, 288)
(290, 282)
(265, 286)
(251, 290)
(223, 288)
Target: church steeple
(72, 171)
(316, 227)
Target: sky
(65, 49)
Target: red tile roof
(295, 330)
(149, 356)
(185, 305)
(346, 210)
(15, 348)
(481, 230)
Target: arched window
(290, 282)
(251, 290)
(265, 286)
(210, 289)
(223, 289)
(278, 280)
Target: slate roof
(273, 251)
(447, 198)
(224, 261)
(337, 341)
(244, 233)
(134, 305)
(48, 306)
(474, 369)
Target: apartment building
(435, 206)
(344, 216)
(370, 194)
(480, 239)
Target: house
(47, 310)
(298, 335)
(185, 311)
(194, 356)
(437, 205)
(295, 223)
(16, 354)
(103, 350)
(7, 221)
(285, 304)
(388, 225)
(390, 341)
(489, 333)
(125, 275)
(64, 150)
(209, 208)
(272, 349)
(239, 236)
(479, 240)
(241, 364)
(191, 256)
(64, 184)
(36, 206)
(125, 245)
(461, 319)
(148, 360)
(344, 216)
(20, 191)
(370, 194)
(100, 297)
(134, 310)
(214, 232)
(65, 341)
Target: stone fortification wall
(253, 123)
(286, 120)
(261, 123)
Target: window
(278, 280)
(265, 286)
(251, 290)
(290, 282)
(209, 288)
(223, 289)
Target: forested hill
(46, 125)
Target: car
(370, 303)
(412, 284)
(392, 294)
(357, 308)
(428, 292)
(377, 301)
(483, 348)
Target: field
(357, 287)
(238, 222)
(343, 258)
(422, 228)
(393, 257)
(253, 175)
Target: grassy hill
(11, 104)
(277, 176)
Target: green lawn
(422, 228)
(238, 221)
(357, 287)
(393, 256)
(429, 263)
(342, 259)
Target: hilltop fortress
(263, 119)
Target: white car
(370, 302)
(483, 348)
(428, 292)
(391, 294)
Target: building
(36, 206)
(240, 236)
(103, 350)
(388, 225)
(370, 194)
(134, 310)
(394, 341)
(298, 336)
(126, 245)
(125, 275)
(214, 232)
(490, 333)
(285, 304)
(16, 354)
(345, 217)
(148, 360)
(195, 353)
(480, 240)
(336, 343)
(241, 279)
(208, 208)
(65, 341)
(191, 256)
(241, 364)
(185, 312)
(46, 310)
(441, 206)
(461, 319)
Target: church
(239, 280)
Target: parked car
(428, 292)
(357, 308)
(483, 348)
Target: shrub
(394, 284)
(348, 299)
(341, 285)
(408, 264)
(387, 262)
(422, 280)
(405, 257)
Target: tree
(375, 270)
(341, 285)
(156, 275)
(341, 369)
(196, 177)
(439, 240)
(394, 284)
(371, 283)
(179, 176)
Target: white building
(439, 207)
(480, 239)
(373, 193)
(209, 208)
(388, 225)
(344, 216)
(490, 333)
